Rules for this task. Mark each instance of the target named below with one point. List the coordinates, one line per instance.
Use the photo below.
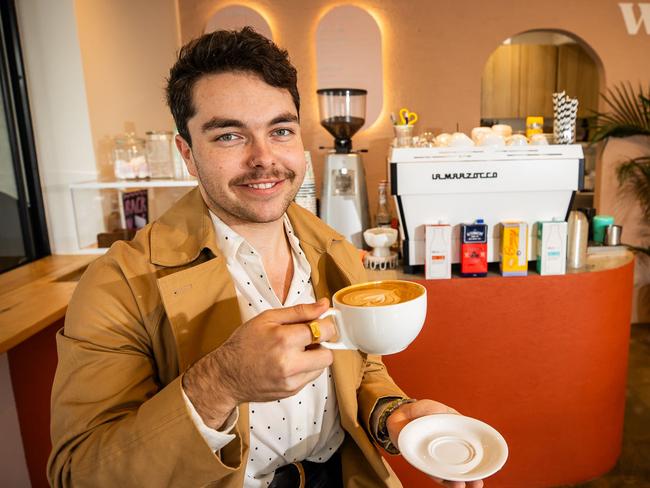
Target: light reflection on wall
(348, 52)
(236, 16)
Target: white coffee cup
(539, 140)
(460, 139)
(492, 140)
(502, 129)
(383, 327)
(517, 140)
(443, 140)
(479, 133)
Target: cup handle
(344, 341)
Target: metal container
(613, 235)
(578, 238)
(589, 213)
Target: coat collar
(181, 233)
(186, 229)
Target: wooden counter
(543, 359)
(36, 295)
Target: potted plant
(634, 176)
(628, 115)
(624, 178)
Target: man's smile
(262, 188)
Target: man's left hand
(411, 411)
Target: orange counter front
(543, 359)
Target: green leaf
(645, 100)
(642, 250)
(628, 113)
(634, 177)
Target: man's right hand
(265, 359)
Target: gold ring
(315, 331)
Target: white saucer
(453, 447)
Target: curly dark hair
(226, 51)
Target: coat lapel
(202, 308)
(195, 286)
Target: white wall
(13, 466)
(127, 49)
(56, 88)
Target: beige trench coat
(140, 316)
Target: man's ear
(186, 153)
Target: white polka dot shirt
(305, 426)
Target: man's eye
(282, 132)
(226, 138)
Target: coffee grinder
(344, 199)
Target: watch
(382, 431)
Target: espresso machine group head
(344, 198)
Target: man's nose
(261, 153)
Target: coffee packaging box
(514, 249)
(551, 248)
(473, 249)
(437, 263)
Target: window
(23, 233)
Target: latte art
(371, 298)
(379, 294)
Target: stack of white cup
(306, 196)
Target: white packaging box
(437, 264)
(551, 248)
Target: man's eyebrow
(219, 123)
(284, 118)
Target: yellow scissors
(407, 117)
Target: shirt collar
(229, 241)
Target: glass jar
(160, 155)
(383, 217)
(129, 161)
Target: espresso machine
(344, 199)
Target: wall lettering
(632, 23)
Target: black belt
(308, 474)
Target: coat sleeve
(376, 383)
(113, 423)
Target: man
(186, 359)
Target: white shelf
(107, 185)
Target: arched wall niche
(234, 17)
(524, 70)
(349, 55)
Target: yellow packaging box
(514, 249)
(534, 125)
